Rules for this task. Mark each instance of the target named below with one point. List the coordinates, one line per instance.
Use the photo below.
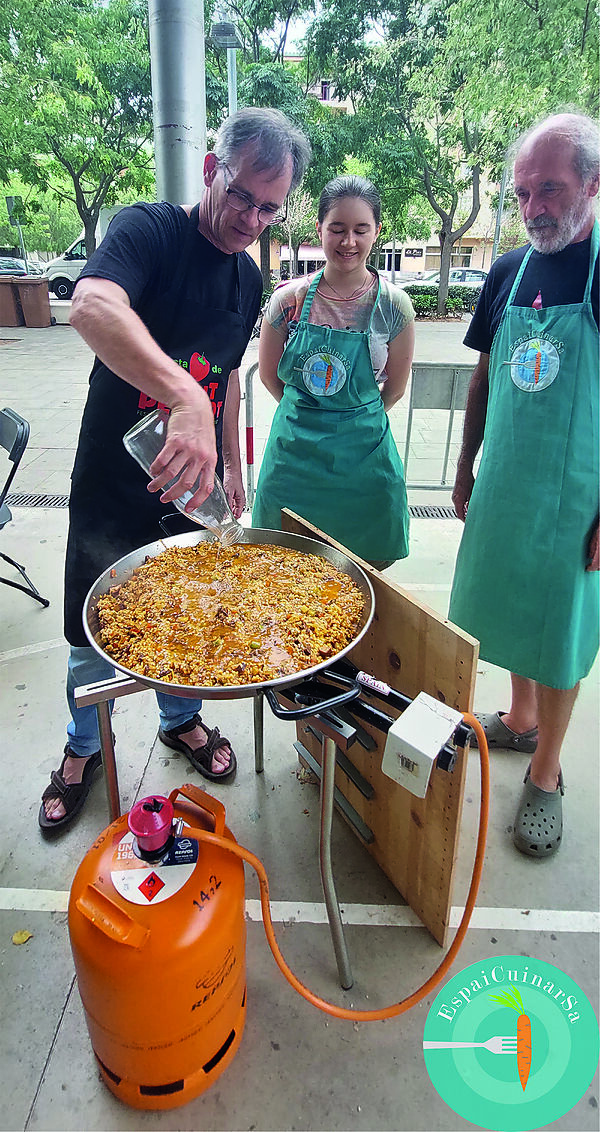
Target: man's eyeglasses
(241, 202)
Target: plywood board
(412, 649)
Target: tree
(49, 225)
(260, 20)
(299, 227)
(441, 89)
(523, 59)
(76, 81)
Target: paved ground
(295, 1068)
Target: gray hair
(579, 129)
(274, 137)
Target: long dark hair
(349, 186)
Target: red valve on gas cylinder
(151, 822)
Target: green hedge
(424, 299)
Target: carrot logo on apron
(324, 373)
(534, 365)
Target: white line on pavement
(358, 915)
(29, 650)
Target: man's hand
(189, 453)
(234, 490)
(594, 550)
(463, 487)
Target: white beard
(550, 236)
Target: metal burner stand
(101, 693)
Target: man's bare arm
(102, 314)
(474, 425)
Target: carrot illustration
(537, 368)
(523, 1032)
(328, 371)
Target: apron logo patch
(534, 365)
(324, 373)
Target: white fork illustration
(495, 1045)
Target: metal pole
(179, 98)
(22, 243)
(331, 903)
(232, 79)
(259, 747)
(250, 436)
(109, 761)
(393, 257)
(499, 213)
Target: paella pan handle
(352, 693)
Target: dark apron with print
(331, 456)
(111, 510)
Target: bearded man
(526, 577)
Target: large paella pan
(123, 570)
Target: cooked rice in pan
(209, 615)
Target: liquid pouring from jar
(144, 442)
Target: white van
(63, 271)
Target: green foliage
(77, 109)
(260, 20)
(524, 60)
(48, 224)
(425, 299)
(510, 999)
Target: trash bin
(11, 313)
(33, 294)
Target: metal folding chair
(14, 434)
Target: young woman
(335, 351)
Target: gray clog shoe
(538, 824)
(499, 735)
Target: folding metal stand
(101, 693)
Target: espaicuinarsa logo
(534, 365)
(511, 1043)
(324, 373)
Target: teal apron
(331, 456)
(520, 584)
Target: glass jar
(144, 442)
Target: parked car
(11, 266)
(467, 276)
(64, 270)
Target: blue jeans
(87, 667)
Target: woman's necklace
(362, 287)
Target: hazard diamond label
(151, 886)
(141, 882)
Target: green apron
(331, 456)
(520, 584)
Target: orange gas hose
(448, 960)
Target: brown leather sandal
(201, 758)
(72, 795)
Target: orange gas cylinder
(157, 928)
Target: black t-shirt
(140, 252)
(560, 279)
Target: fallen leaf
(22, 936)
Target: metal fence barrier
(434, 385)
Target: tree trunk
(265, 258)
(90, 234)
(446, 257)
